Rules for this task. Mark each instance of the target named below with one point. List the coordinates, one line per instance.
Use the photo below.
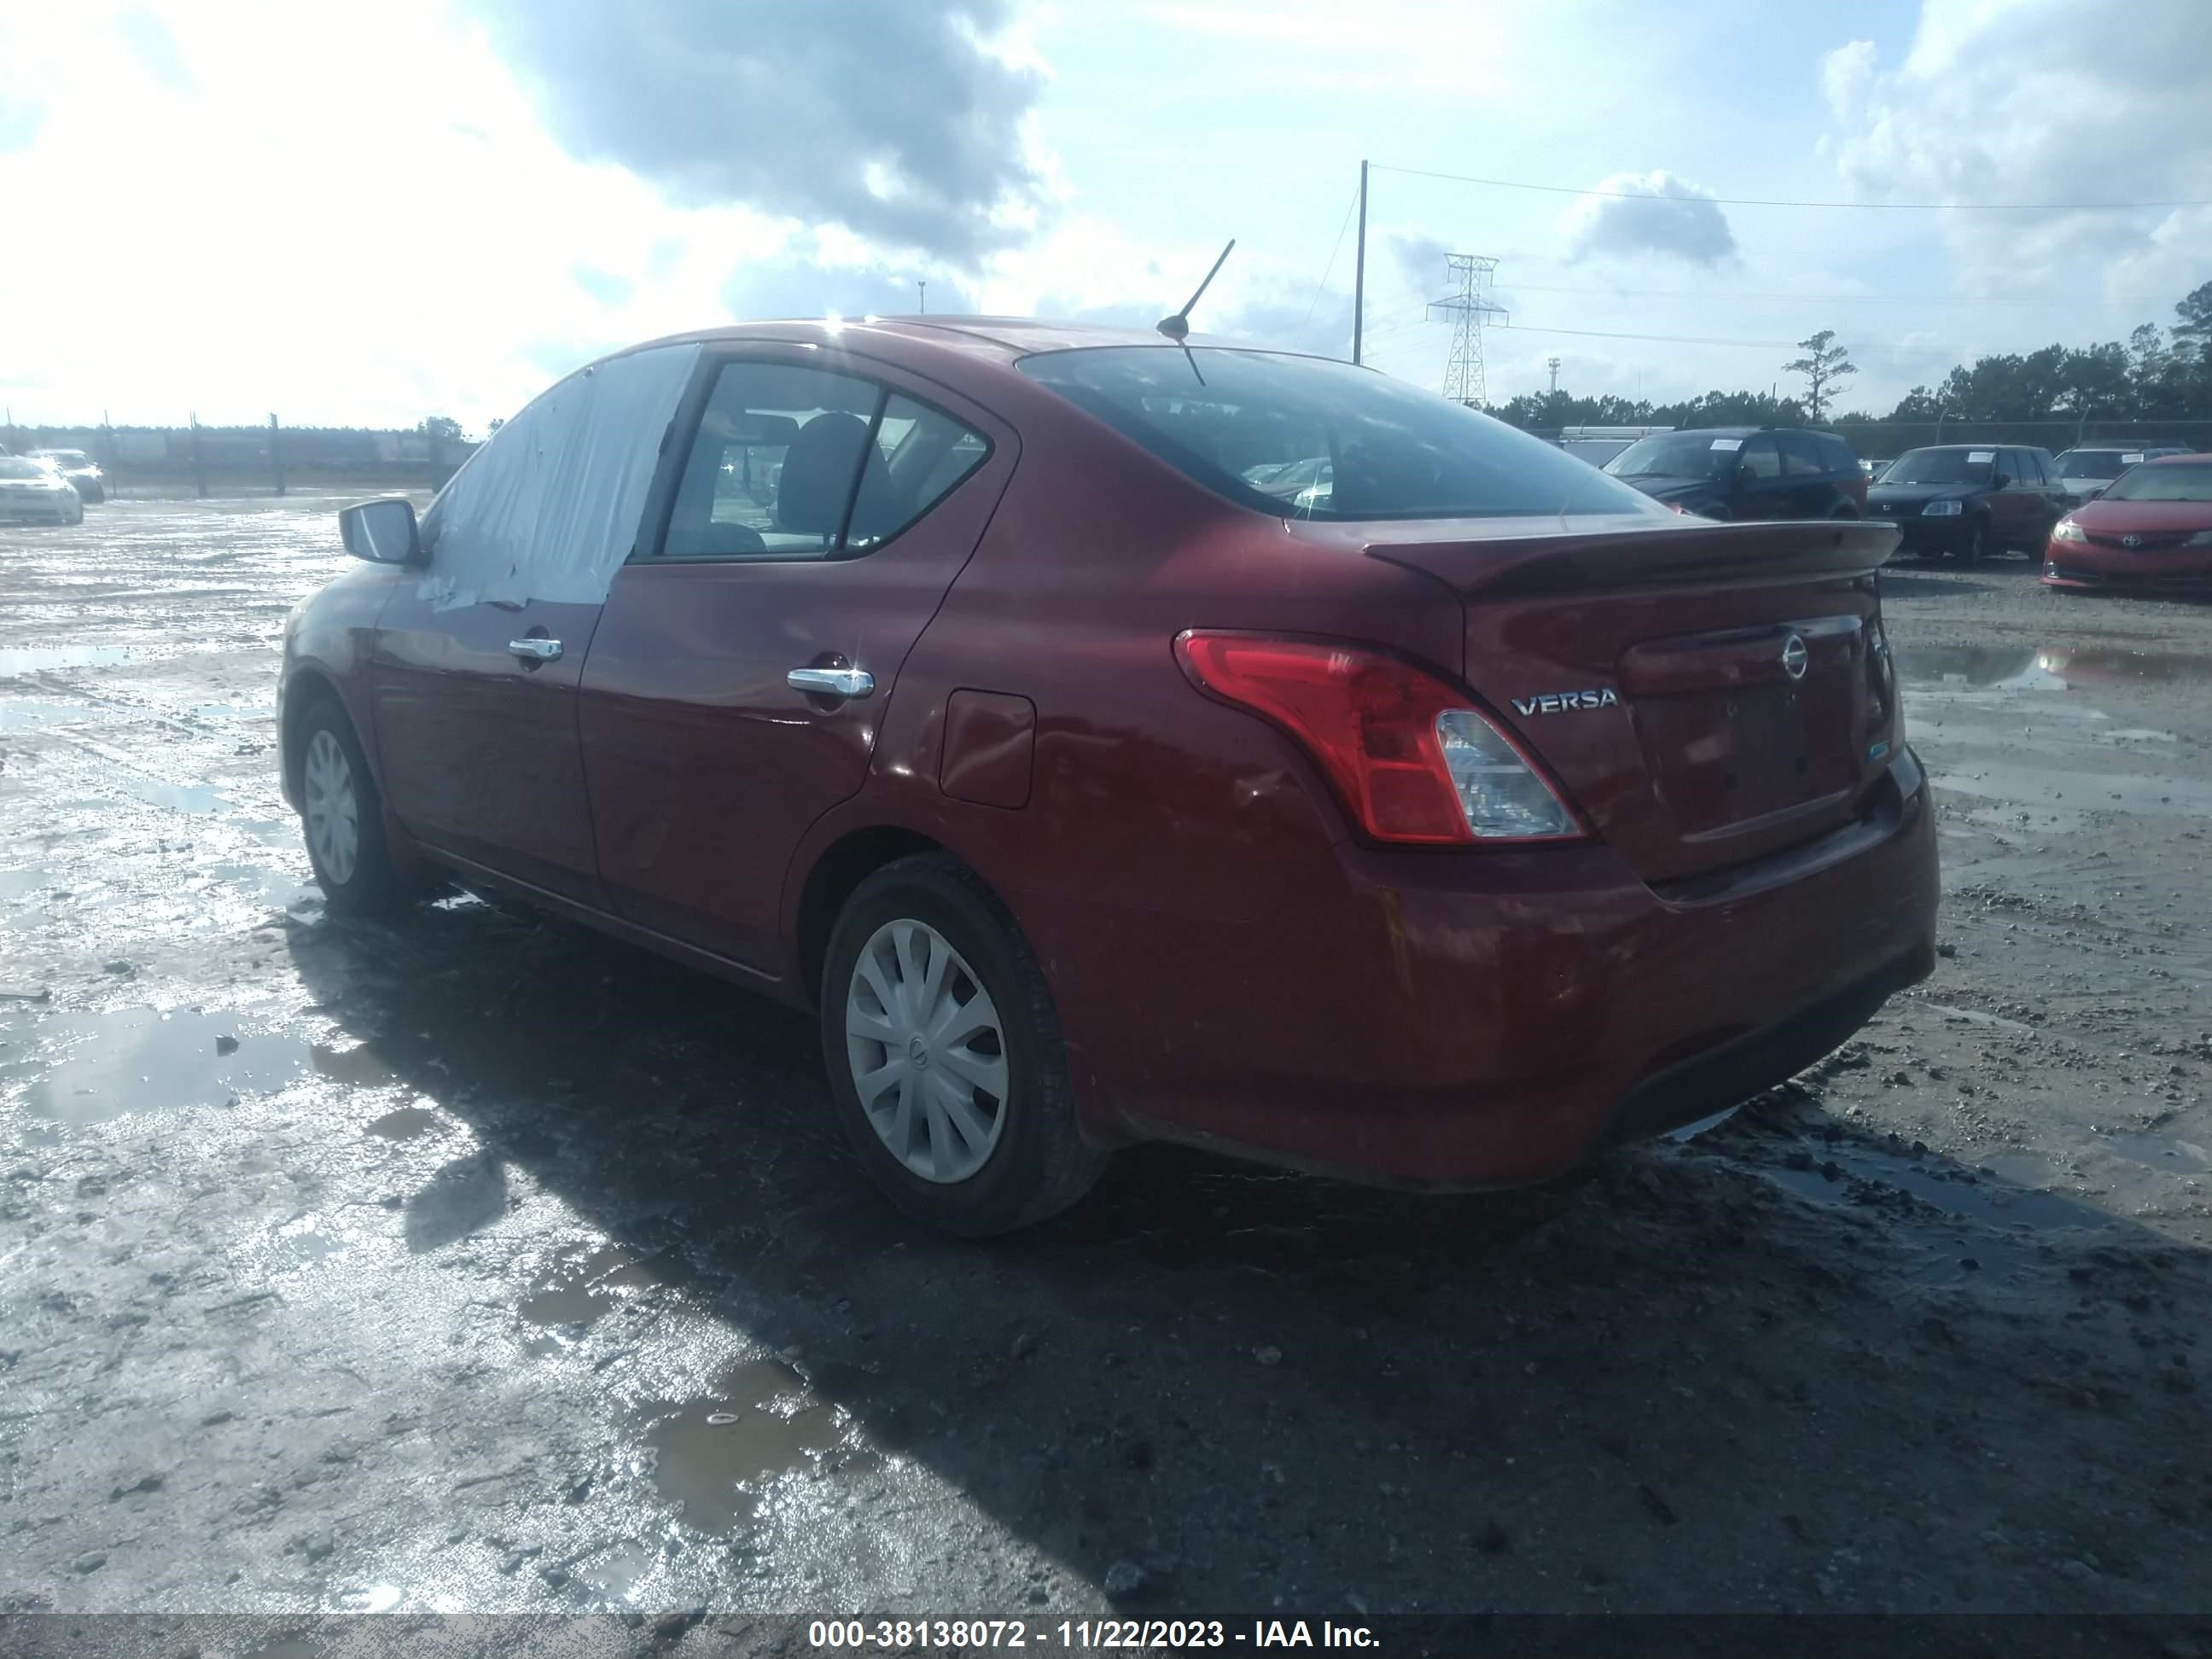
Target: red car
(2149, 532)
(951, 677)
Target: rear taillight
(1410, 757)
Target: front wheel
(944, 1053)
(1977, 543)
(343, 818)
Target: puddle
(2079, 791)
(30, 713)
(617, 1572)
(2157, 1151)
(1951, 1189)
(357, 1066)
(2048, 668)
(15, 883)
(577, 1294)
(716, 1457)
(404, 1124)
(233, 711)
(35, 658)
(196, 799)
(89, 1067)
(303, 1242)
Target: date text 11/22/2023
(903, 1635)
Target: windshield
(2163, 483)
(67, 457)
(10, 467)
(1391, 451)
(1961, 466)
(1675, 455)
(2093, 462)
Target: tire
(929, 928)
(1977, 543)
(1845, 514)
(77, 514)
(334, 775)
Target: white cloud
(2040, 101)
(1660, 214)
(1846, 75)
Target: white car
(2089, 473)
(33, 489)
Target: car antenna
(1177, 326)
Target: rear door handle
(831, 682)
(535, 649)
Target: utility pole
(1360, 270)
(922, 285)
(276, 454)
(1552, 364)
(1467, 308)
(199, 460)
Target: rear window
(1962, 466)
(1678, 455)
(2093, 463)
(1303, 437)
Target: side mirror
(383, 532)
(1999, 480)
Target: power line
(1334, 248)
(1758, 201)
(1697, 339)
(1827, 298)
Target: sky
(368, 211)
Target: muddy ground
(486, 1265)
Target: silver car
(33, 489)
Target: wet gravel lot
(485, 1265)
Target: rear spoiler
(1500, 562)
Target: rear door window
(1759, 457)
(920, 454)
(1800, 455)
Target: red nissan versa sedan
(2149, 532)
(1439, 827)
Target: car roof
(2168, 460)
(1003, 338)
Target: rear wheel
(944, 1053)
(343, 818)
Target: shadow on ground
(1672, 1384)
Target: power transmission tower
(1468, 309)
(1552, 364)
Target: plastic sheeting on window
(549, 508)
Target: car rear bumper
(1472, 1020)
(44, 509)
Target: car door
(715, 721)
(2027, 501)
(473, 679)
(1761, 491)
(1806, 491)
(2050, 496)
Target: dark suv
(1746, 472)
(1966, 499)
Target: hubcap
(927, 1052)
(333, 817)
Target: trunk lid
(1707, 693)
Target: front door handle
(831, 682)
(535, 649)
